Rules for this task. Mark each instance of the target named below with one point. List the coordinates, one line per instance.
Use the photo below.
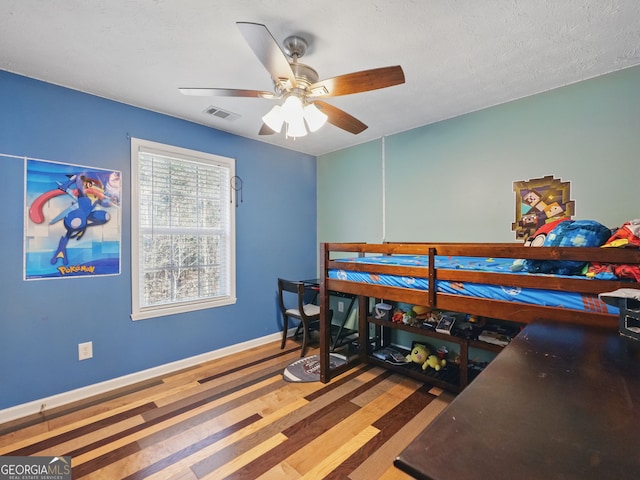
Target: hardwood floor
(236, 418)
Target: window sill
(164, 310)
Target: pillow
(628, 236)
(573, 233)
(540, 235)
(536, 240)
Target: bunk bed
(405, 272)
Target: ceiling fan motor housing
(305, 75)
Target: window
(182, 230)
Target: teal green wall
(350, 189)
(453, 180)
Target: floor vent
(220, 113)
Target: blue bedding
(532, 296)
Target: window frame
(139, 312)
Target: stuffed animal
(419, 355)
(397, 316)
(410, 318)
(434, 362)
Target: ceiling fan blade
(340, 118)
(265, 130)
(358, 82)
(268, 52)
(226, 92)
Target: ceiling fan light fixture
(292, 108)
(296, 127)
(293, 114)
(314, 117)
(274, 119)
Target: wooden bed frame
(517, 312)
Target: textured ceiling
(458, 56)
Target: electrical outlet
(85, 350)
(341, 306)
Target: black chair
(300, 309)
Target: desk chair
(307, 313)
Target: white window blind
(183, 230)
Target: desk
(314, 284)
(560, 402)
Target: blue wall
(42, 322)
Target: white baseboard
(54, 401)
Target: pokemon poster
(72, 221)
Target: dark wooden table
(560, 402)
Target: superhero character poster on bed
(72, 220)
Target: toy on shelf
(434, 362)
(397, 316)
(419, 354)
(442, 352)
(410, 315)
(410, 318)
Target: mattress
(530, 296)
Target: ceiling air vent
(223, 114)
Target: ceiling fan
(299, 86)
